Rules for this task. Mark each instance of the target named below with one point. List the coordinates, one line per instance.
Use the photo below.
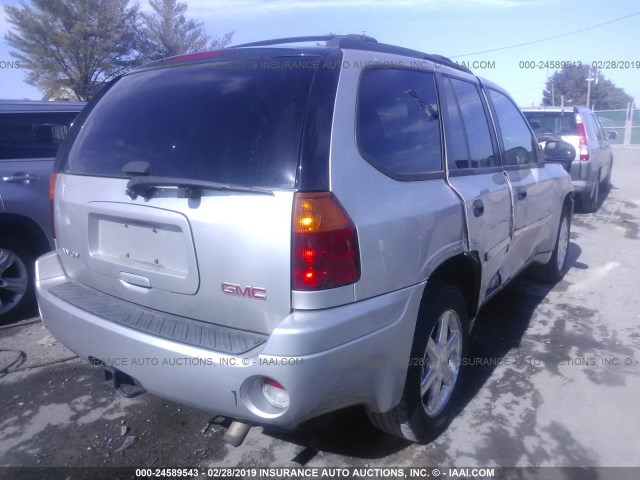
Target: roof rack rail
(359, 42)
(333, 39)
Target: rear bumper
(582, 175)
(326, 360)
(581, 186)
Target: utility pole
(628, 124)
(593, 75)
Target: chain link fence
(625, 122)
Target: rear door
(28, 145)
(220, 254)
(475, 172)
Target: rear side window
(468, 137)
(398, 122)
(239, 126)
(33, 135)
(520, 147)
(599, 131)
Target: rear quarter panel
(405, 228)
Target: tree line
(70, 48)
(568, 86)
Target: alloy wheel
(442, 360)
(14, 280)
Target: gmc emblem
(247, 292)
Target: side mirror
(559, 151)
(612, 135)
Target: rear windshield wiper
(187, 188)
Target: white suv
(593, 162)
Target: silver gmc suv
(275, 232)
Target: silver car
(275, 232)
(593, 162)
(30, 133)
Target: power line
(549, 38)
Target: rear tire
(434, 375)
(557, 266)
(606, 183)
(17, 294)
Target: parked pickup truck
(274, 232)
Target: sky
(587, 31)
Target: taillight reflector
(325, 243)
(584, 146)
(275, 393)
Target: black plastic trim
(315, 150)
(355, 44)
(360, 42)
(511, 168)
(163, 325)
(461, 172)
(309, 38)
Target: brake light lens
(52, 190)
(325, 243)
(584, 146)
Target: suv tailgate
(226, 262)
(220, 255)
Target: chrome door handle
(20, 177)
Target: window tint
(398, 121)
(456, 138)
(213, 121)
(598, 127)
(519, 144)
(590, 127)
(476, 127)
(33, 135)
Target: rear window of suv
(557, 123)
(211, 121)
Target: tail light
(584, 147)
(325, 243)
(52, 191)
